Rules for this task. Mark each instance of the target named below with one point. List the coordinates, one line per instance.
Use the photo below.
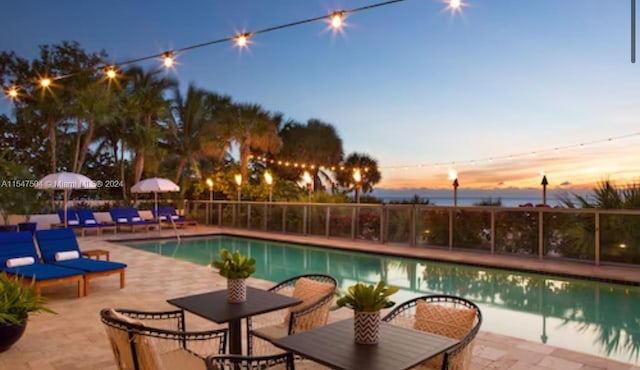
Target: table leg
(235, 337)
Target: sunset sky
(415, 86)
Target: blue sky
(408, 83)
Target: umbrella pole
(65, 208)
(155, 196)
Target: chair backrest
(237, 362)
(131, 349)
(118, 215)
(86, 215)
(16, 245)
(71, 216)
(53, 241)
(317, 292)
(446, 315)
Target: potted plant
(16, 301)
(236, 268)
(367, 300)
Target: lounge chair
(56, 245)
(19, 245)
(88, 221)
(316, 292)
(129, 217)
(72, 217)
(169, 214)
(445, 315)
(138, 343)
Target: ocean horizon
(470, 201)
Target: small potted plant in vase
(16, 302)
(236, 268)
(367, 300)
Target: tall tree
(251, 128)
(191, 127)
(145, 105)
(369, 172)
(314, 143)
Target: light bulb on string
(455, 6)
(168, 59)
(336, 20)
(12, 92)
(242, 40)
(110, 73)
(45, 82)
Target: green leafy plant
(234, 265)
(367, 297)
(17, 300)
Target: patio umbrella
(155, 185)
(65, 181)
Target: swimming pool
(587, 316)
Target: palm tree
(251, 128)
(316, 143)
(95, 105)
(145, 105)
(191, 127)
(369, 172)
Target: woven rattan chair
(283, 361)
(445, 315)
(157, 340)
(315, 290)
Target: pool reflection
(588, 316)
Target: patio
(75, 338)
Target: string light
(167, 59)
(12, 92)
(110, 72)
(336, 19)
(532, 154)
(242, 40)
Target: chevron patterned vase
(366, 327)
(236, 290)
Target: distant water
(469, 201)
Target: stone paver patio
(75, 339)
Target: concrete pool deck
(75, 339)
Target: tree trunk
(122, 172)
(53, 144)
(76, 152)
(245, 150)
(181, 165)
(85, 144)
(139, 167)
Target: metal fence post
(327, 225)
(219, 214)
(382, 223)
(450, 228)
(493, 231)
(597, 238)
(249, 216)
(284, 219)
(353, 223)
(540, 234)
(412, 227)
(305, 213)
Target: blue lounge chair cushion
(42, 271)
(90, 265)
(71, 216)
(16, 245)
(63, 240)
(20, 244)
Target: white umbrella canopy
(65, 181)
(155, 185)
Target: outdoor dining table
(333, 345)
(213, 306)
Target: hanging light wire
(168, 57)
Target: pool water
(598, 318)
